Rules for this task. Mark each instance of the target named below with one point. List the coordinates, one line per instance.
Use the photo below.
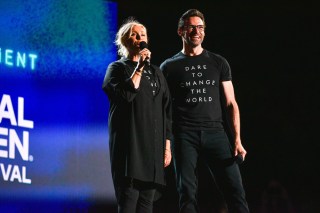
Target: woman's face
(138, 34)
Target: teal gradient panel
(71, 38)
(72, 43)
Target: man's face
(192, 32)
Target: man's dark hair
(188, 14)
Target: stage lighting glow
(53, 112)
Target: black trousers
(135, 196)
(216, 151)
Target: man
(201, 88)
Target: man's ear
(179, 31)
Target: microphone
(238, 159)
(143, 45)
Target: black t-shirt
(152, 78)
(139, 122)
(194, 83)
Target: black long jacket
(139, 123)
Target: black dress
(139, 123)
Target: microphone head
(143, 45)
(239, 159)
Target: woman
(139, 121)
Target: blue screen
(53, 112)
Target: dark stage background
(273, 50)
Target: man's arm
(234, 117)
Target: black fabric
(139, 123)
(135, 196)
(194, 82)
(216, 152)
(153, 80)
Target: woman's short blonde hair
(124, 33)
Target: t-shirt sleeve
(116, 84)
(225, 70)
(163, 67)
